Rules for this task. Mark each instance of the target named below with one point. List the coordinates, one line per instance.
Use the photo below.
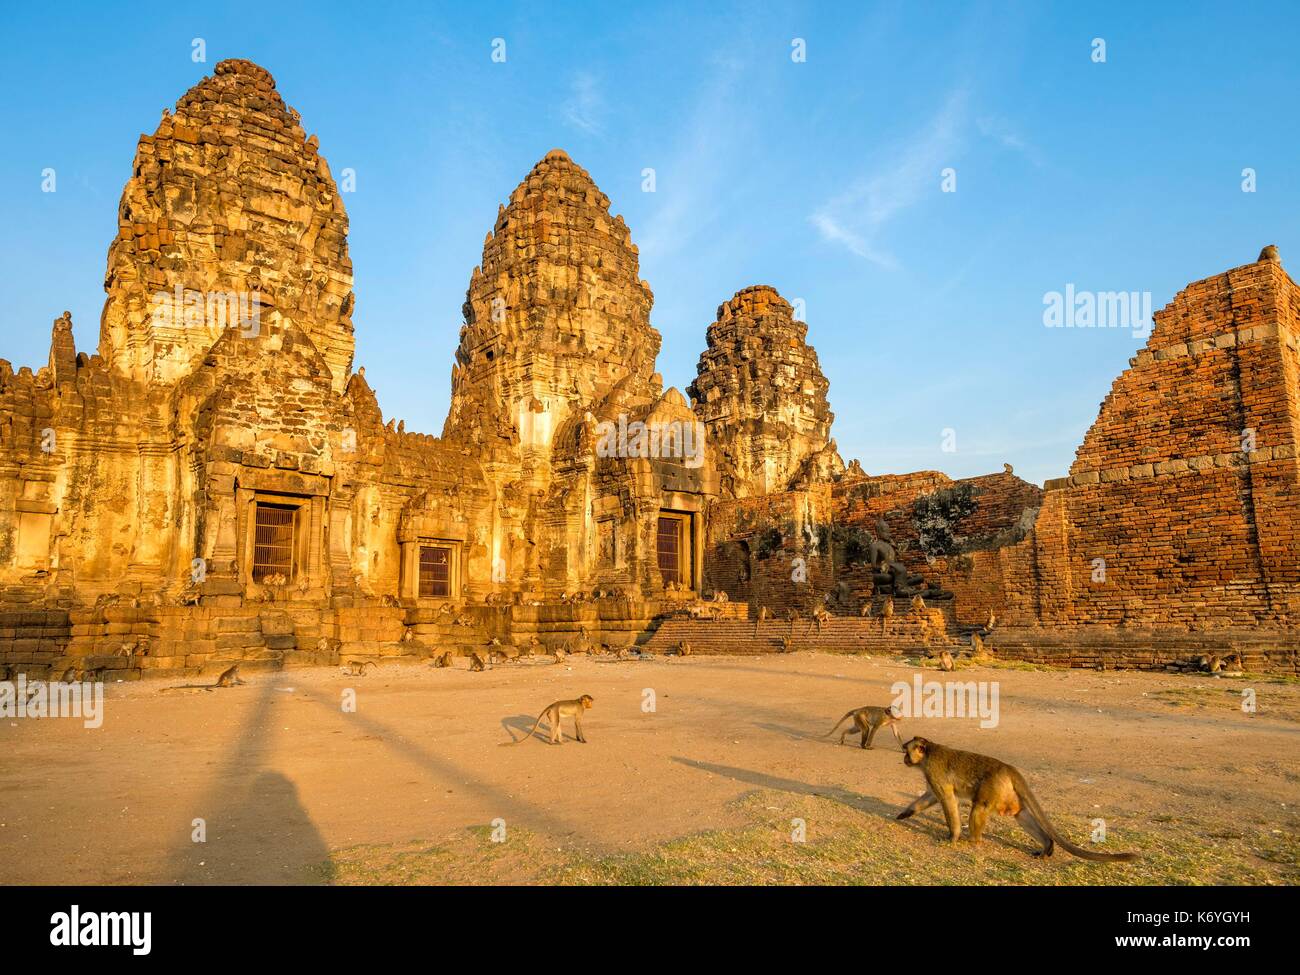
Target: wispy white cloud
(1006, 135)
(708, 152)
(858, 217)
(585, 104)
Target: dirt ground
(708, 787)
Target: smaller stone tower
(761, 395)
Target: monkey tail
(1027, 797)
(534, 728)
(837, 725)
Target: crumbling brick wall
(1182, 507)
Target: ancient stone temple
(762, 396)
(217, 483)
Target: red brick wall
(1196, 534)
(1194, 531)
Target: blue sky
(821, 177)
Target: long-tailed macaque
(991, 786)
(562, 709)
(868, 721)
(229, 678)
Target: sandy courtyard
(286, 780)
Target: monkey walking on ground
(991, 786)
(553, 714)
(357, 668)
(868, 721)
(229, 678)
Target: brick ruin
(217, 483)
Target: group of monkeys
(990, 785)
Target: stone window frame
(421, 548)
(294, 536)
(688, 567)
(33, 528)
(410, 584)
(302, 505)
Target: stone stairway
(33, 640)
(433, 632)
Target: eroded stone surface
(228, 195)
(572, 499)
(762, 396)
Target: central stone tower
(555, 317)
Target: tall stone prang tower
(761, 395)
(555, 317)
(228, 197)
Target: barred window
(435, 570)
(273, 538)
(671, 548)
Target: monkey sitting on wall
(562, 709)
(991, 786)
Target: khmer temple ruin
(217, 482)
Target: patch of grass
(843, 845)
(1225, 695)
(1026, 665)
